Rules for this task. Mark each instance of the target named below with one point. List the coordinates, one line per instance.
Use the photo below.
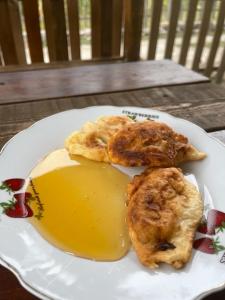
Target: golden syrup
(79, 206)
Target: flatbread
(152, 144)
(92, 139)
(164, 210)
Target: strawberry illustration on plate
(214, 224)
(215, 220)
(204, 245)
(203, 226)
(208, 245)
(18, 207)
(12, 184)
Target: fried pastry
(91, 141)
(152, 144)
(164, 210)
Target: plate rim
(12, 269)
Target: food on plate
(120, 140)
(164, 210)
(91, 140)
(80, 206)
(152, 144)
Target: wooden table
(27, 96)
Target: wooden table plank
(203, 104)
(84, 80)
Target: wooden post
(133, 28)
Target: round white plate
(52, 274)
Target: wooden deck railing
(116, 31)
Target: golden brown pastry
(152, 144)
(164, 210)
(91, 140)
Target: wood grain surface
(106, 26)
(201, 103)
(154, 31)
(54, 16)
(31, 17)
(81, 80)
(216, 39)
(74, 28)
(174, 15)
(202, 33)
(188, 31)
(117, 23)
(12, 52)
(133, 28)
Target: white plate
(52, 274)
